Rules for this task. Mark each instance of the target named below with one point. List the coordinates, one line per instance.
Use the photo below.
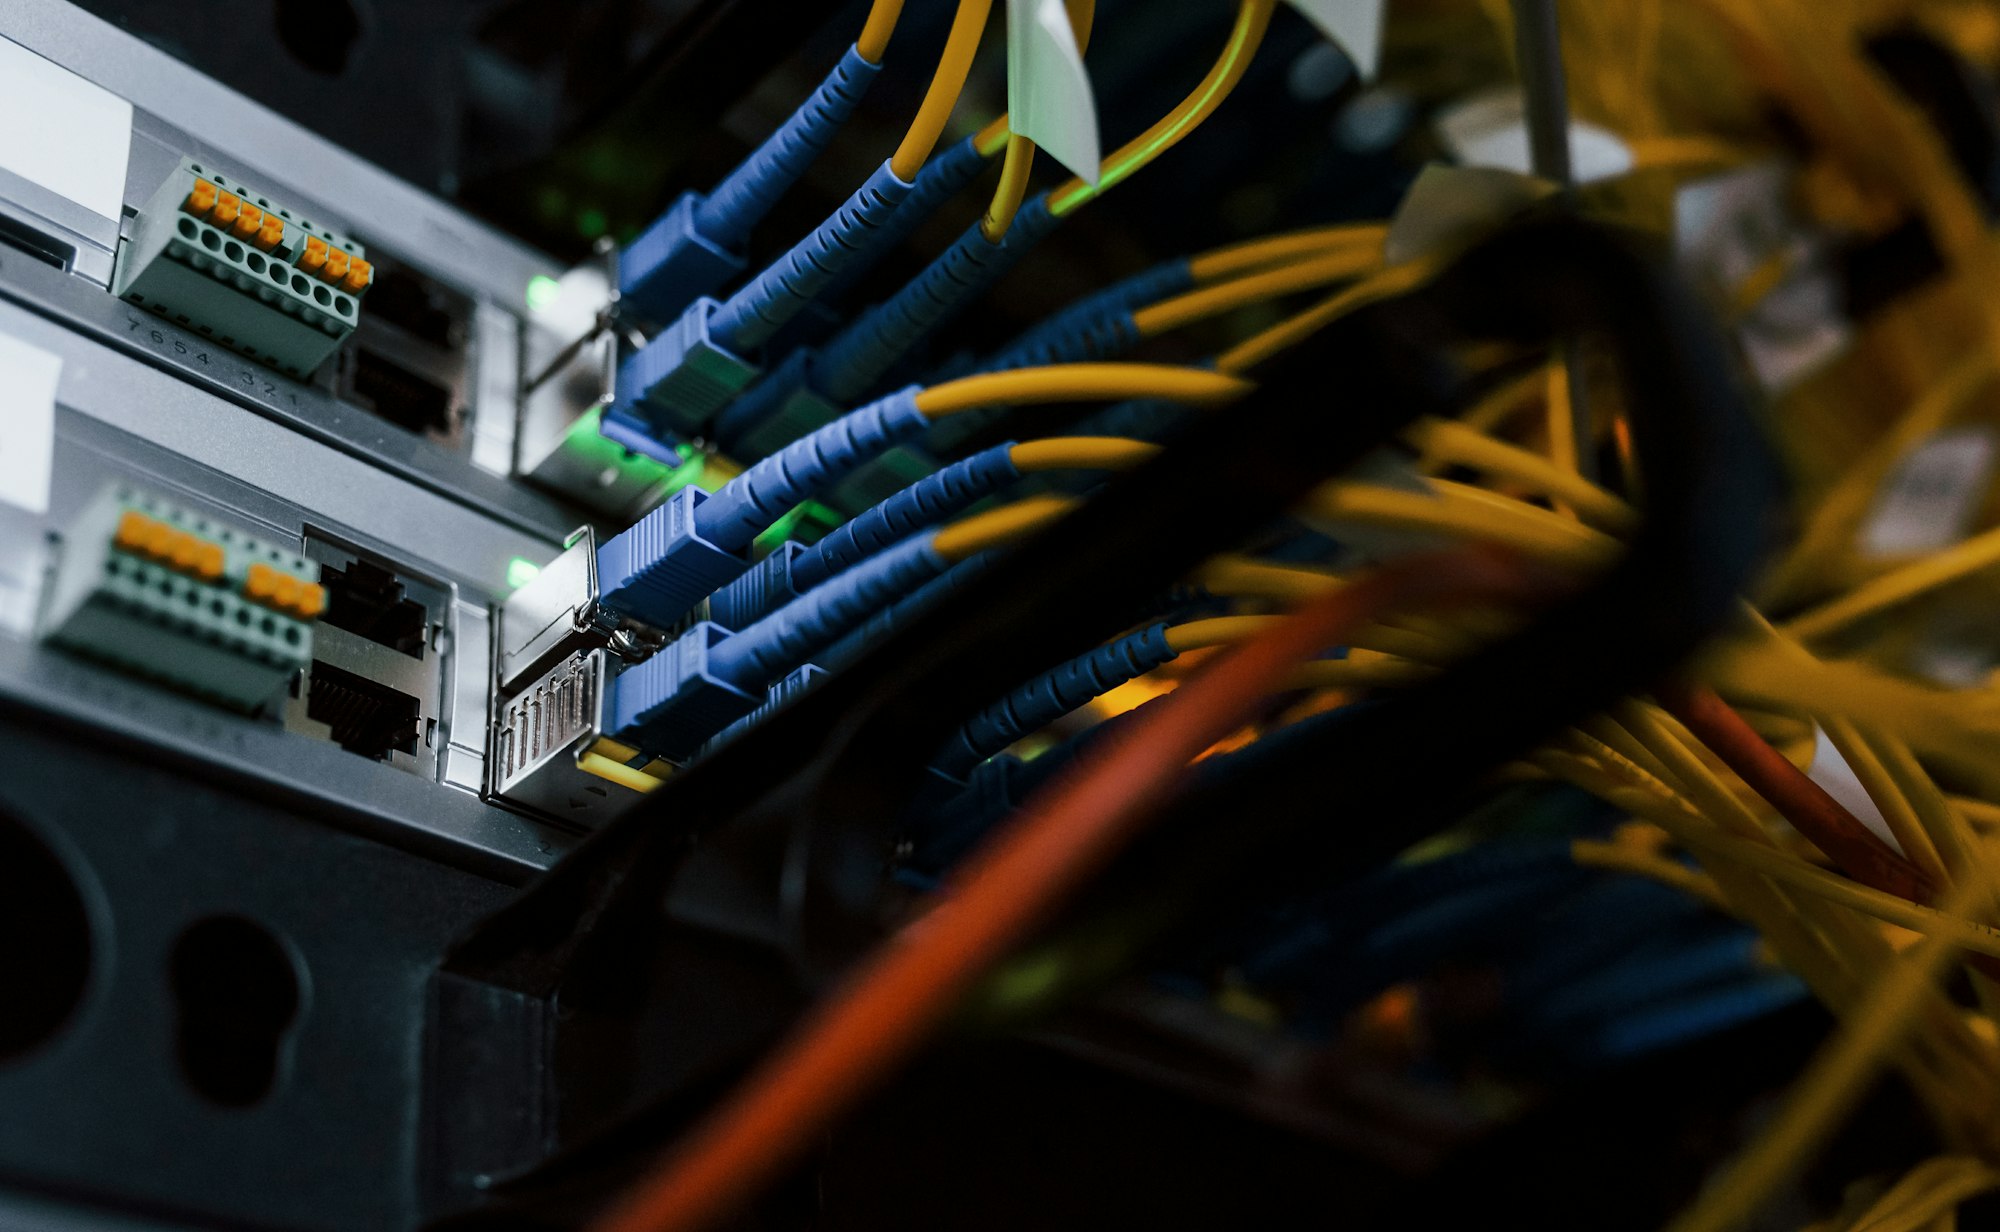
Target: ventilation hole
(187, 228)
(343, 304)
(195, 167)
(45, 965)
(210, 240)
(277, 273)
(233, 250)
(236, 994)
(300, 284)
(285, 214)
(256, 261)
(322, 296)
(268, 625)
(182, 319)
(243, 616)
(263, 204)
(292, 635)
(218, 607)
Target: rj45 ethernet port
(367, 717)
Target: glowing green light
(542, 291)
(521, 571)
(590, 222)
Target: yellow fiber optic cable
(1535, 532)
(1259, 347)
(874, 39)
(1893, 803)
(1832, 1083)
(1011, 190)
(1217, 631)
(1252, 16)
(1249, 255)
(1243, 577)
(1097, 453)
(1451, 442)
(1013, 186)
(1081, 382)
(968, 24)
(1898, 586)
(1595, 853)
(1303, 275)
(1001, 526)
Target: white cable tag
(1930, 498)
(1831, 771)
(62, 132)
(1491, 130)
(28, 377)
(1048, 90)
(1355, 26)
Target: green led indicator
(542, 291)
(521, 571)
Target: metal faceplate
(341, 877)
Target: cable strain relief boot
(737, 204)
(766, 588)
(661, 567)
(749, 318)
(758, 497)
(684, 376)
(1053, 694)
(777, 697)
(672, 263)
(672, 703)
(926, 502)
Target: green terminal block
(226, 261)
(174, 597)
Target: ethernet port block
(221, 258)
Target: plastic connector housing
(680, 379)
(169, 595)
(661, 567)
(758, 593)
(266, 302)
(783, 407)
(673, 703)
(672, 264)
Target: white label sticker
(1930, 498)
(27, 423)
(1449, 206)
(1727, 228)
(1831, 771)
(1048, 90)
(62, 132)
(1354, 25)
(1491, 130)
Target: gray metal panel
(92, 311)
(339, 487)
(104, 1109)
(290, 160)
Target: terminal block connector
(226, 261)
(172, 596)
